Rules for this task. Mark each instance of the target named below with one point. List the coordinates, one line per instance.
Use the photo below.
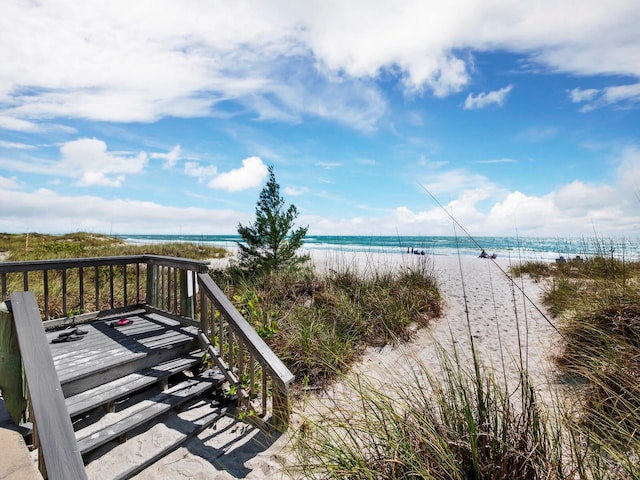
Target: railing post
(11, 367)
(152, 284)
(281, 409)
(184, 294)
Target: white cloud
(15, 145)
(88, 160)
(171, 157)
(11, 123)
(485, 99)
(45, 211)
(619, 95)
(295, 192)
(483, 208)
(113, 61)
(252, 173)
(578, 95)
(8, 183)
(194, 169)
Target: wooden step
(106, 353)
(89, 438)
(170, 432)
(123, 386)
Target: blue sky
(163, 116)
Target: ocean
(524, 248)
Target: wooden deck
(108, 384)
(105, 353)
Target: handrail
(59, 454)
(66, 263)
(241, 350)
(280, 374)
(176, 262)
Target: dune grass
(459, 423)
(318, 323)
(37, 246)
(463, 423)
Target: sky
(378, 117)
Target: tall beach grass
(464, 422)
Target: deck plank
(108, 392)
(159, 404)
(104, 347)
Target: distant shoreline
(525, 248)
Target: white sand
(501, 322)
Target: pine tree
(270, 242)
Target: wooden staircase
(118, 382)
(128, 424)
(129, 384)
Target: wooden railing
(261, 374)
(78, 290)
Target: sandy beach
(503, 323)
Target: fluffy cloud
(11, 123)
(45, 211)
(194, 169)
(295, 192)
(576, 208)
(484, 99)
(8, 183)
(88, 160)
(113, 61)
(252, 173)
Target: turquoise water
(528, 248)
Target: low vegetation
(597, 304)
(460, 423)
(464, 423)
(319, 323)
(37, 246)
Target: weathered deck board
(111, 391)
(154, 407)
(106, 350)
